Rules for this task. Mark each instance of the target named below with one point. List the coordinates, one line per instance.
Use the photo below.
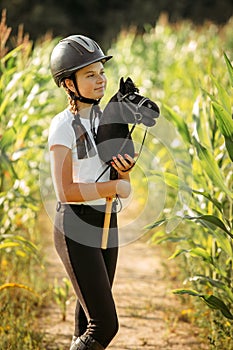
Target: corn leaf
(18, 285)
(210, 167)
(214, 283)
(7, 139)
(186, 291)
(223, 97)
(212, 199)
(171, 180)
(225, 120)
(155, 224)
(212, 301)
(170, 238)
(10, 240)
(217, 304)
(9, 245)
(213, 222)
(176, 182)
(207, 280)
(7, 164)
(230, 68)
(202, 253)
(194, 252)
(225, 124)
(11, 54)
(174, 117)
(178, 252)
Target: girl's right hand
(123, 188)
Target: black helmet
(73, 53)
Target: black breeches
(90, 268)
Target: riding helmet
(73, 53)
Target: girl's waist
(82, 208)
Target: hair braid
(73, 103)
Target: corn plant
(24, 109)
(25, 106)
(210, 242)
(62, 296)
(190, 152)
(217, 220)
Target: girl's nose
(101, 78)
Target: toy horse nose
(155, 109)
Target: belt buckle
(58, 207)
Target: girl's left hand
(122, 164)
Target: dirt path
(150, 316)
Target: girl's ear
(70, 85)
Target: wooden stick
(107, 218)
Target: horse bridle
(137, 115)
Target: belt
(84, 208)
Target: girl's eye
(90, 75)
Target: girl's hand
(122, 164)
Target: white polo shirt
(84, 170)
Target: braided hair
(73, 103)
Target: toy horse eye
(131, 97)
(149, 105)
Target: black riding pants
(77, 234)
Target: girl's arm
(70, 191)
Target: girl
(77, 64)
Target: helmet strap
(81, 98)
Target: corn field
(26, 106)
(188, 72)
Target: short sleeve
(60, 133)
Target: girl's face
(92, 81)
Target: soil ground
(150, 316)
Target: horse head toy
(113, 136)
(124, 108)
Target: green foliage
(62, 295)
(189, 72)
(25, 109)
(187, 158)
(210, 300)
(18, 311)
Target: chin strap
(81, 98)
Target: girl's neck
(85, 112)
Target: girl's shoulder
(61, 119)
(61, 130)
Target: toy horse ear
(129, 80)
(127, 86)
(122, 86)
(130, 86)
